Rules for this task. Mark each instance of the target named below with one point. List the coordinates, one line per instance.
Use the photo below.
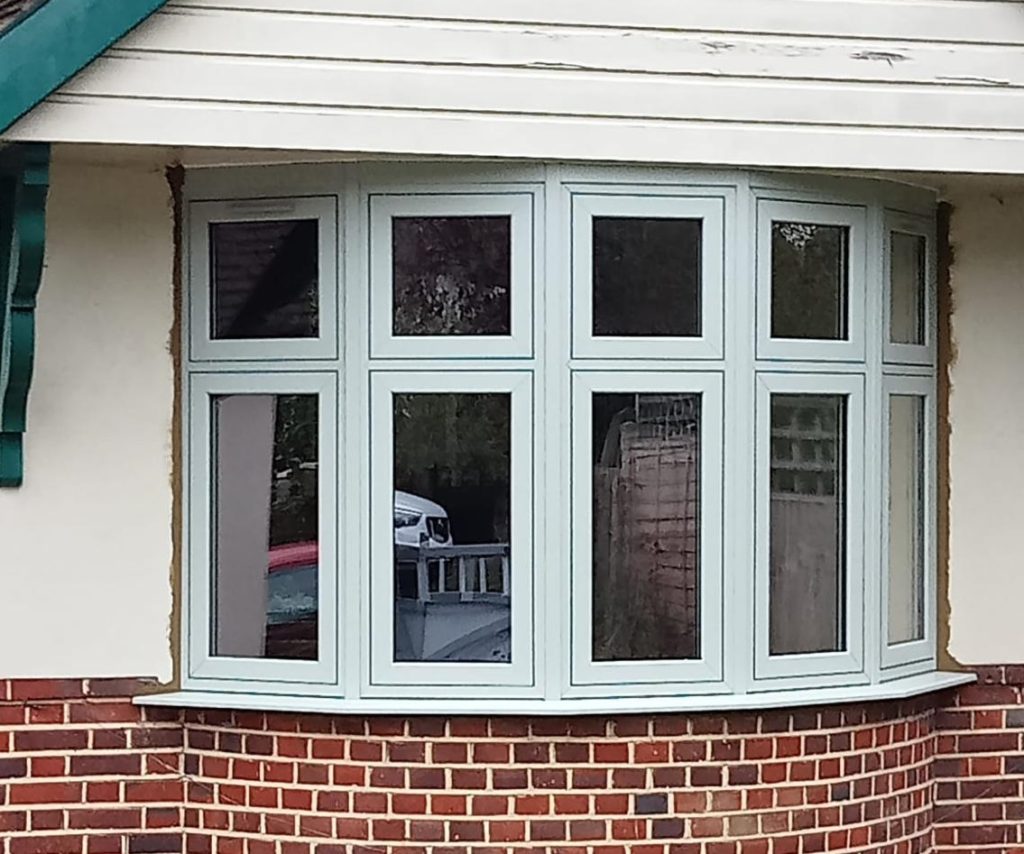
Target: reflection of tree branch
(452, 275)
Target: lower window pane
(807, 540)
(452, 475)
(906, 522)
(266, 562)
(646, 537)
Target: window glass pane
(807, 541)
(265, 279)
(646, 538)
(647, 276)
(266, 563)
(452, 475)
(907, 288)
(906, 518)
(809, 280)
(452, 275)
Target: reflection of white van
(420, 521)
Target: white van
(420, 521)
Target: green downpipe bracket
(24, 182)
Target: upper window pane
(907, 288)
(906, 518)
(647, 276)
(265, 279)
(266, 550)
(452, 499)
(807, 538)
(810, 280)
(646, 526)
(451, 275)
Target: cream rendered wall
(847, 84)
(986, 585)
(85, 544)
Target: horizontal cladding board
(545, 93)
(145, 122)
(983, 21)
(232, 32)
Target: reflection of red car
(292, 601)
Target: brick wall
(979, 765)
(82, 771)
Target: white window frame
(201, 215)
(632, 678)
(545, 370)
(819, 668)
(910, 354)
(706, 205)
(387, 677)
(852, 217)
(922, 651)
(515, 202)
(258, 674)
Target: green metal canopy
(42, 45)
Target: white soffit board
(868, 84)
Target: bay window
(554, 438)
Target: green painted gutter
(45, 48)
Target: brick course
(83, 771)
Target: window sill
(897, 689)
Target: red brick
(106, 819)
(507, 831)
(45, 844)
(46, 793)
(154, 791)
(46, 689)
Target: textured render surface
(986, 581)
(86, 542)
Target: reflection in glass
(646, 526)
(264, 278)
(266, 562)
(807, 538)
(809, 280)
(907, 288)
(451, 275)
(647, 276)
(906, 518)
(452, 475)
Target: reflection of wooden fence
(804, 581)
(646, 544)
(453, 573)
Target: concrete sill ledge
(896, 689)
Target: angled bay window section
(647, 275)
(263, 273)
(908, 534)
(810, 279)
(909, 290)
(451, 275)
(810, 475)
(451, 559)
(647, 529)
(262, 602)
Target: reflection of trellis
(804, 447)
(646, 524)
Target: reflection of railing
(453, 573)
